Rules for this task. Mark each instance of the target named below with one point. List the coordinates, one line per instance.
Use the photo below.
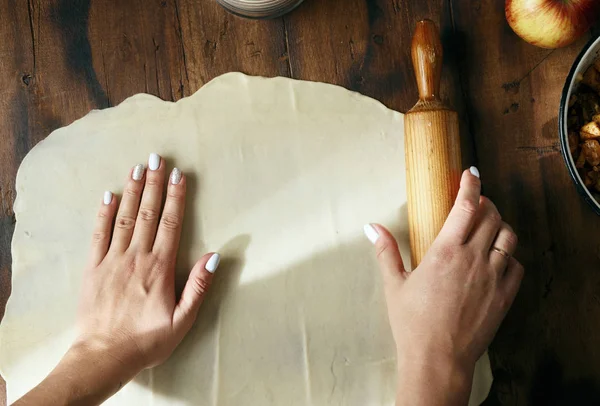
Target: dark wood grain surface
(61, 58)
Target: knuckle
(99, 236)
(131, 192)
(176, 193)
(492, 210)
(200, 286)
(170, 221)
(495, 216)
(512, 239)
(153, 181)
(148, 214)
(468, 206)
(125, 222)
(444, 254)
(448, 256)
(503, 303)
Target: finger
(169, 228)
(388, 254)
(506, 244)
(459, 224)
(487, 225)
(194, 291)
(511, 281)
(103, 228)
(149, 212)
(128, 209)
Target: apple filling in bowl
(583, 123)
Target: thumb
(388, 254)
(195, 289)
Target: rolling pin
(432, 146)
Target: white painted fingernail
(138, 172)
(107, 197)
(213, 263)
(153, 161)
(175, 176)
(371, 233)
(474, 171)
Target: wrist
(433, 379)
(110, 352)
(107, 357)
(88, 374)
(100, 371)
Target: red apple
(551, 23)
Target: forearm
(433, 382)
(85, 376)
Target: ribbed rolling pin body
(432, 146)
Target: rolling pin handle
(427, 55)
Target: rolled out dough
(282, 176)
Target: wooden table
(60, 58)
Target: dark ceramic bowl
(589, 53)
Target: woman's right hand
(129, 317)
(446, 312)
